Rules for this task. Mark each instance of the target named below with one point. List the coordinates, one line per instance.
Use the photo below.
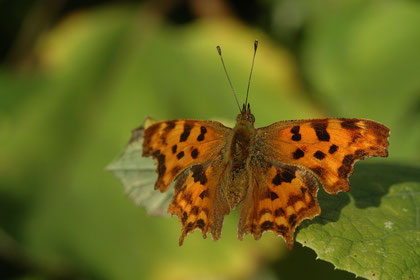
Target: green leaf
(374, 230)
(138, 175)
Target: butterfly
(271, 171)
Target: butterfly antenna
(252, 67)
(219, 50)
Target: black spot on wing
(202, 134)
(184, 217)
(284, 175)
(180, 155)
(279, 212)
(174, 148)
(333, 149)
(194, 153)
(273, 196)
(292, 220)
(319, 155)
(199, 174)
(267, 225)
(200, 224)
(295, 129)
(343, 171)
(298, 154)
(189, 227)
(186, 132)
(350, 124)
(293, 199)
(282, 229)
(170, 125)
(296, 135)
(204, 194)
(321, 131)
(161, 162)
(148, 134)
(348, 159)
(347, 163)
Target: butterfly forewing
(326, 147)
(178, 144)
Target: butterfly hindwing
(178, 144)
(326, 147)
(198, 201)
(279, 198)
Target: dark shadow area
(13, 210)
(301, 263)
(16, 263)
(371, 181)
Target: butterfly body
(237, 158)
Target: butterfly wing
(191, 152)
(280, 197)
(179, 144)
(327, 147)
(198, 201)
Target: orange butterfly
(272, 170)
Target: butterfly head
(245, 115)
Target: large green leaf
(374, 230)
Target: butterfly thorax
(242, 138)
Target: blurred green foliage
(100, 71)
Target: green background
(76, 78)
